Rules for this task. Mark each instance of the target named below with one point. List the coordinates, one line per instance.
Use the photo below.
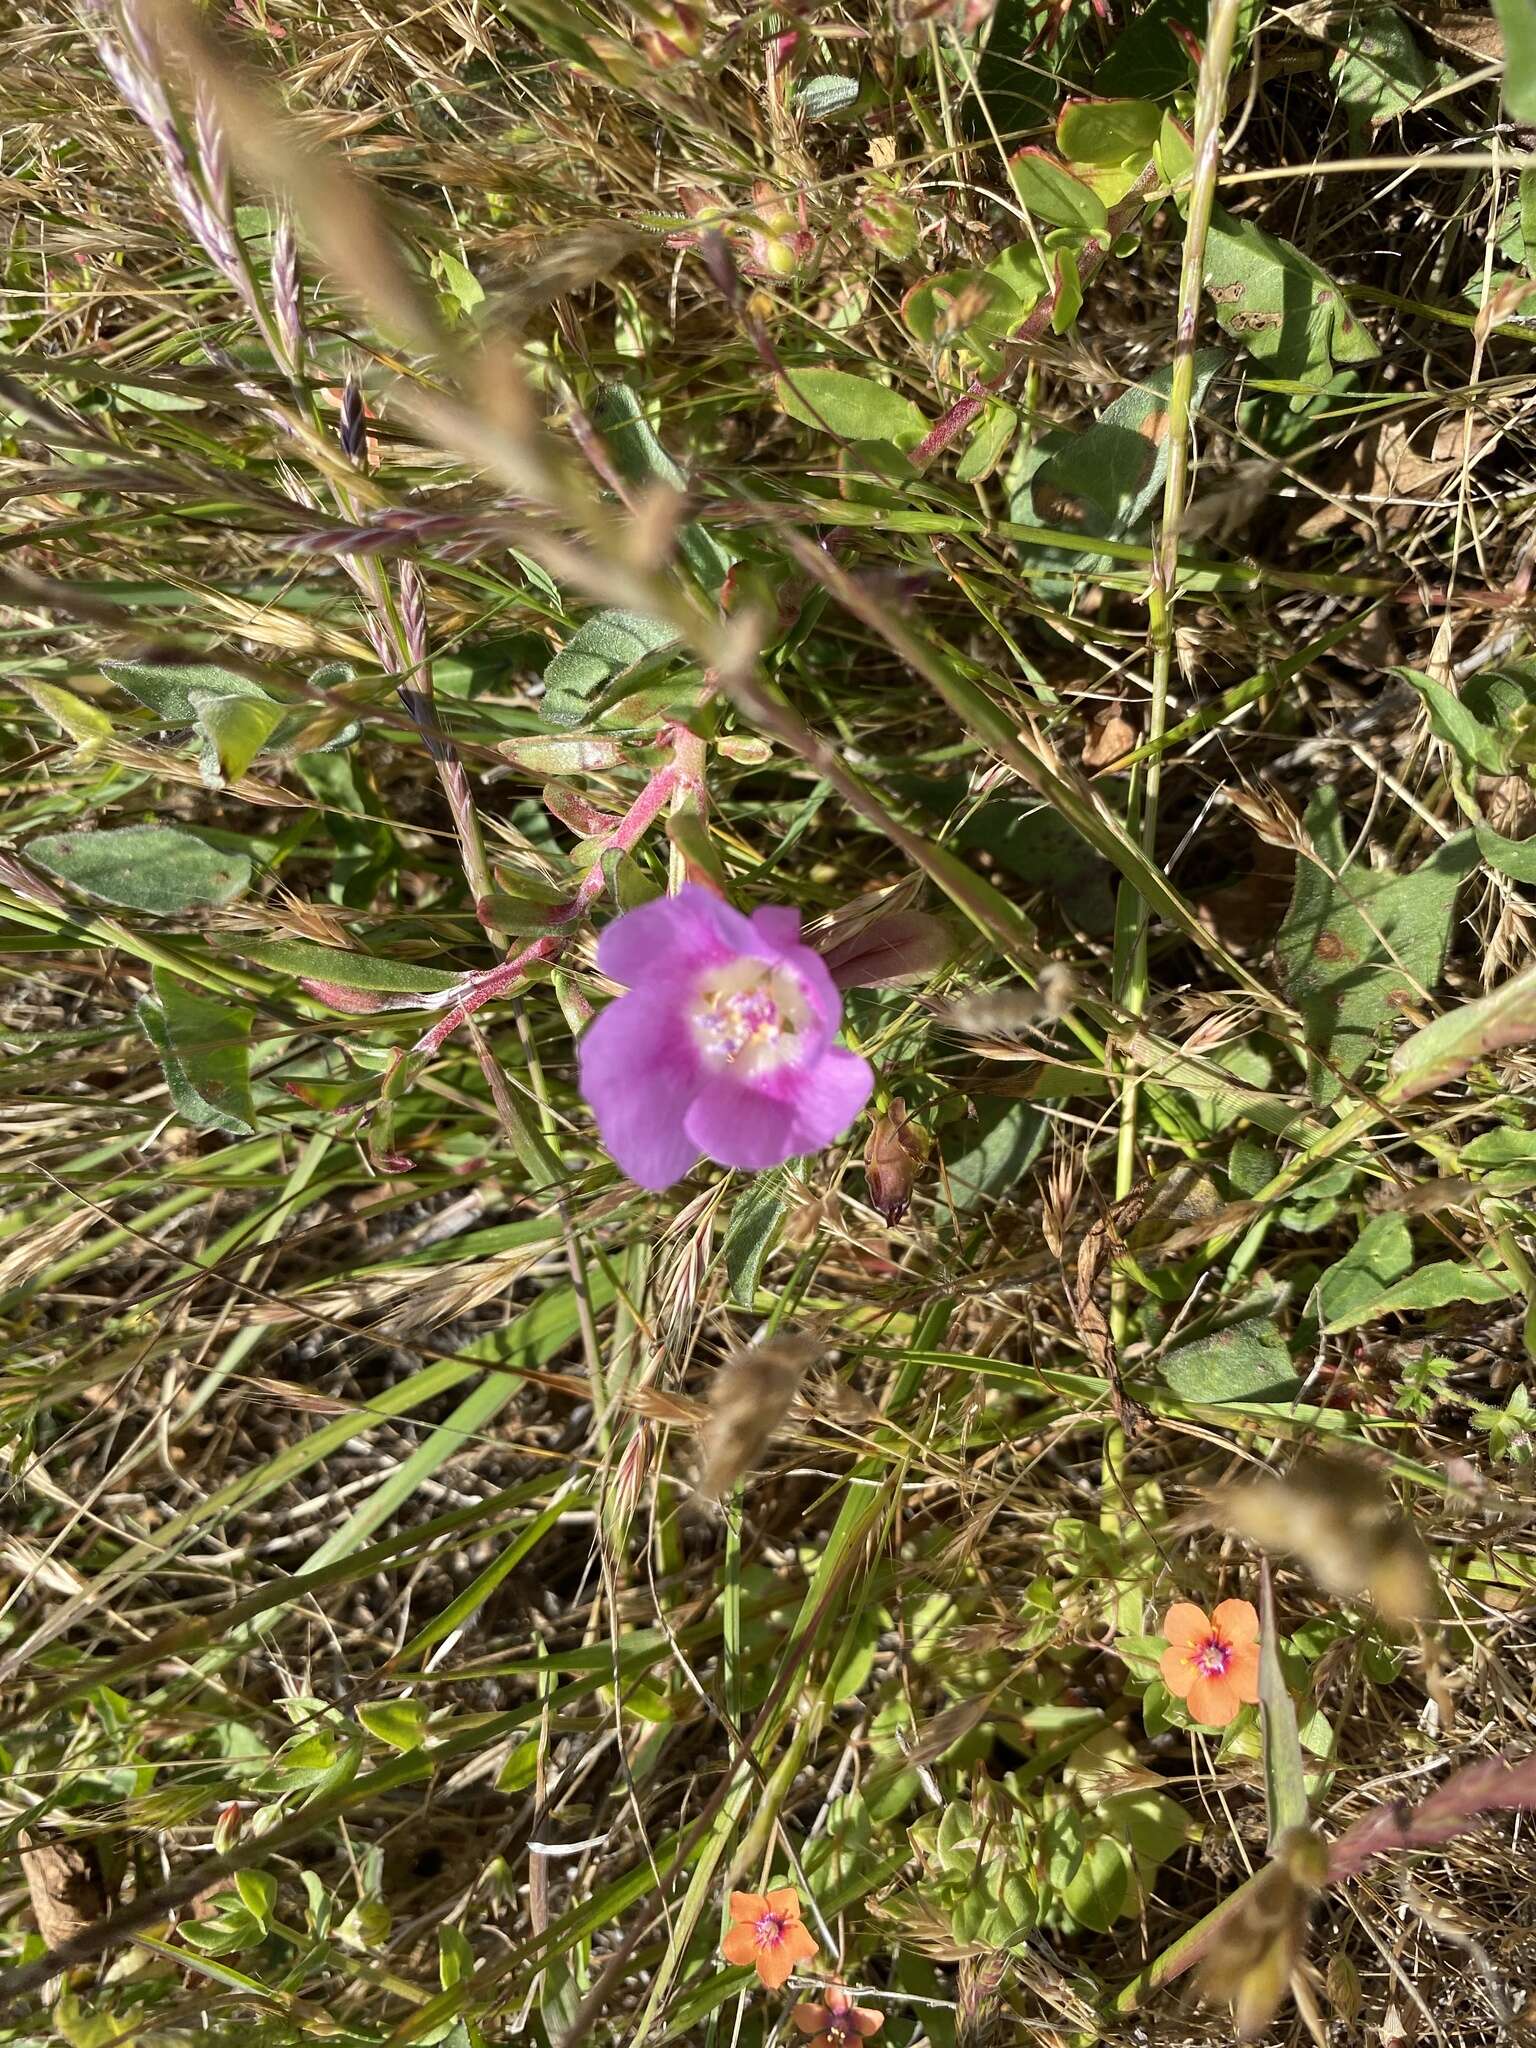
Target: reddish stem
(625, 836)
(1090, 257)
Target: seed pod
(893, 1158)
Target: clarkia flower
(722, 1045)
(767, 1932)
(836, 2022)
(1212, 1660)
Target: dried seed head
(1251, 1960)
(1341, 1519)
(748, 1401)
(1267, 811)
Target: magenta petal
(830, 1096)
(798, 1109)
(777, 929)
(672, 936)
(738, 1126)
(639, 1073)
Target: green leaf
(753, 1231)
(461, 283)
(640, 458)
(161, 869)
(1451, 720)
(603, 648)
(1285, 1772)
(87, 724)
(204, 1048)
(1517, 23)
(234, 731)
(172, 688)
(1095, 1895)
(985, 1156)
(1515, 858)
(819, 99)
(1443, 1050)
(1359, 945)
(258, 1893)
(1108, 131)
(988, 444)
(1430, 1287)
(1048, 190)
(1248, 1361)
(1106, 479)
(853, 408)
(400, 1723)
(1379, 72)
(1286, 312)
(370, 972)
(1382, 1253)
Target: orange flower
(768, 1934)
(1212, 1661)
(837, 2022)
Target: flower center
(749, 1016)
(1213, 1656)
(769, 1930)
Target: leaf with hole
(1288, 314)
(160, 869)
(1360, 945)
(205, 1052)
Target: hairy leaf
(161, 869)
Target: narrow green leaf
(1517, 21)
(233, 730)
(1451, 720)
(400, 1723)
(367, 971)
(756, 1217)
(1285, 1773)
(1443, 1050)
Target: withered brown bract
(1341, 1519)
(747, 1403)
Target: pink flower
(723, 1045)
(837, 2022)
(1212, 1661)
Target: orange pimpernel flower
(836, 2022)
(1212, 1660)
(767, 1933)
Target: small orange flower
(768, 1934)
(1212, 1661)
(837, 2022)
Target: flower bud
(673, 35)
(893, 1157)
(226, 1829)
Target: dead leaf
(1110, 734)
(65, 1884)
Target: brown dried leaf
(65, 1884)
(1110, 734)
